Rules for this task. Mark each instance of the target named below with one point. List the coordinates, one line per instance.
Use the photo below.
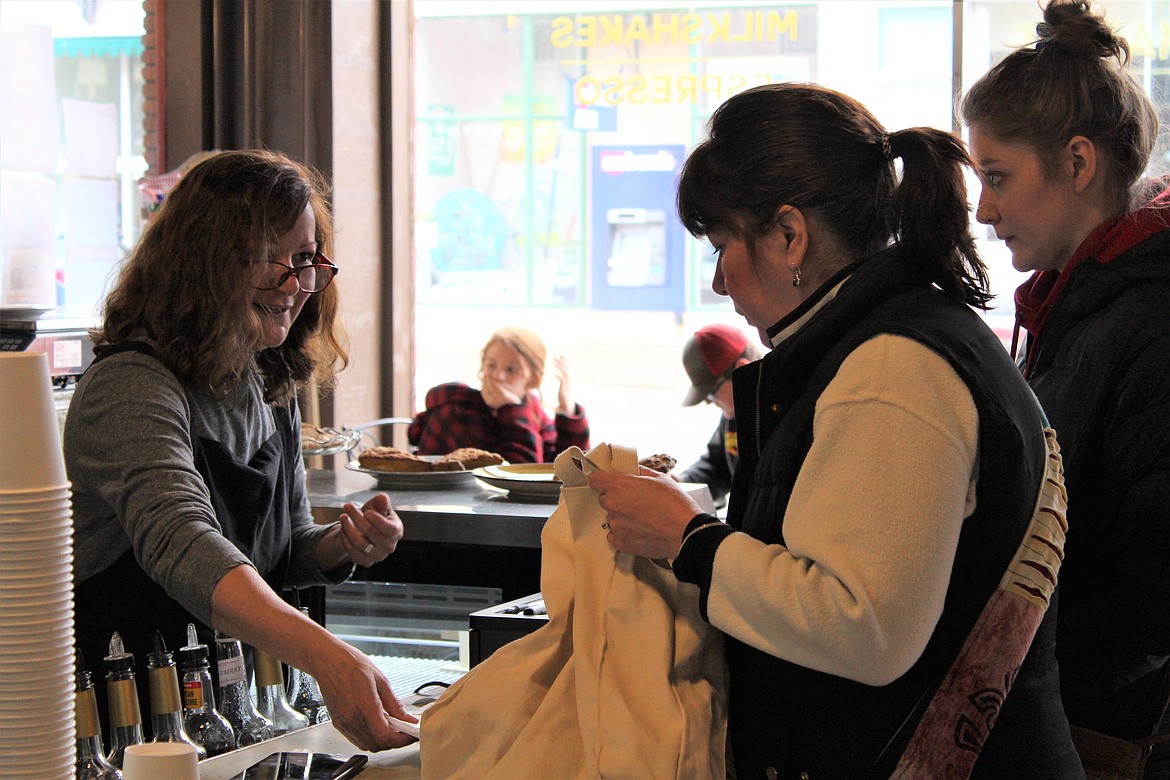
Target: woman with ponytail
(1062, 135)
(891, 458)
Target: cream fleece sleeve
(872, 524)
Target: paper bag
(624, 681)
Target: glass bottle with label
(122, 697)
(202, 720)
(166, 707)
(235, 699)
(271, 700)
(304, 694)
(91, 758)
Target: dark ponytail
(810, 147)
(930, 215)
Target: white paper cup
(64, 490)
(14, 501)
(25, 514)
(54, 559)
(56, 603)
(18, 690)
(155, 760)
(31, 456)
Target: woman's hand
(565, 404)
(358, 695)
(366, 534)
(496, 395)
(646, 514)
(359, 698)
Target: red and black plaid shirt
(456, 416)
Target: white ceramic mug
(161, 760)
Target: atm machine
(637, 241)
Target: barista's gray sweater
(128, 453)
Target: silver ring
(369, 547)
(605, 526)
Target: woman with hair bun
(891, 460)
(1061, 135)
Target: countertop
(473, 513)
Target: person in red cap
(709, 357)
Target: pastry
(447, 463)
(473, 458)
(392, 459)
(660, 462)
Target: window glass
(71, 148)
(547, 141)
(548, 136)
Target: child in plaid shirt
(506, 415)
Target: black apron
(251, 504)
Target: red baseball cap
(709, 357)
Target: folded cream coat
(624, 681)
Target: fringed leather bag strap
(959, 717)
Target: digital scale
(65, 340)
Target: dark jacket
(715, 467)
(791, 719)
(1098, 357)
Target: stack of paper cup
(37, 734)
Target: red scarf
(1041, 293)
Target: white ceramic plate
(531, 481)
(417, 480)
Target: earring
(796, 276)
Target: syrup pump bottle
(166, 708)
(91, 758)
(122, 694)
(305, 695)
(235, 699)
(202, 721)
(270, 697)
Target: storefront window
(71, 148)
(548, 140)
(547, 137)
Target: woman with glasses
(182, 441)
(891, 463)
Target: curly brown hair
(186, 287)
